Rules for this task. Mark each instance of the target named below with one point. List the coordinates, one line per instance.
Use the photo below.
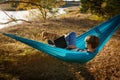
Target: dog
(49, 36)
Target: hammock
(104, 31)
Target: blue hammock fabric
(104, 31)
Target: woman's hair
(93, 40)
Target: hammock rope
(104, 31)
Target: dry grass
(21, 62)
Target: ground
(21, 62)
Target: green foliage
(105, 8)
(44, 6)
(14, 5)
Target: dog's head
(47, 35)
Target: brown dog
(49, 36)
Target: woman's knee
(72, 33)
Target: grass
(21, 62)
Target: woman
(91, 41)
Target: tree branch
(11, 1)
(13, 19)
(7, 14)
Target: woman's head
(92, 41)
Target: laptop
(60, 42)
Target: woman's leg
(71, 39)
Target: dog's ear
(43, 32)
(44, 35)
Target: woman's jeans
(71, 38)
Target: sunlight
(13, 14)
(24, 15)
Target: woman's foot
(71, 47)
